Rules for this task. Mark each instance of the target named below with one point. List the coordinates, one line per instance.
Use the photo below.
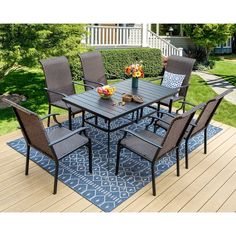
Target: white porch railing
(167, 49)
(114, 36)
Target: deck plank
(167, 196)
(230, 204)
(208, 185)
(196, 158)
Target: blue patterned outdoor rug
(102, 187)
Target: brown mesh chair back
(208, 112)
(183, 66)
(58, 77)
(93, 69)
(30, 125)
(176, 131)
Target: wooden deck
(209, 185)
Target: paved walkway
(218, 84)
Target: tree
(25, 44)
(208, 36)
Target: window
(227, 44)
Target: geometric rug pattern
(103, 188)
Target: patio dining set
(60, 141)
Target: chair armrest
(166, 113)
(160, 119)
(58, 93)
(183, 86)
(142, 138)
(90, 81)
(67, 136)
(83, 84)
(187, 103)
(54, 117)
(117, 77)
(193, 105)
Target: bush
(115, 60)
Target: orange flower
(135, 70)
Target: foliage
(208, 36)
(30, 83)
(25, 44)
(116, 60)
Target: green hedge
(115, 60)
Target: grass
(225, 67)
(30, 82)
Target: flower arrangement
(106, 91)
(135, 70)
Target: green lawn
(30, 82)
(225, 68)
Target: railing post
(144, 35)
(181, 51)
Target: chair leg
(158, 108)
(205, 141)
(177, 161)
(153, 180)
(170, 106)
(83, 117)
(27, 160)
(141, 113)
(56, 177)
(90, 156)
(118, 158)
(184, 106)
(70, 118)
(49, 112)
(96, 120)
(186, 153)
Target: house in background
(169, 38)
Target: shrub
(115, 60)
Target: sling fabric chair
(201, 123)
(153, 147)
(93, 69)
(176, 67)
(55, 143)
(60, 84)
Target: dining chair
(60, 84)
(200, 124)
(94, 73)
(176, 75)
(152, 147)
(55, 143)
(93, 69)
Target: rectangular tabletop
(109, 109)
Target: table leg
(108, 142)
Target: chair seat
(68, 145)
(140, 147)
(166, 101)
(62, 105)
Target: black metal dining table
(112, 109)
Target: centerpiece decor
(106, 91)
(135, 71)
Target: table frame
(92, 103)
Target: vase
(134, 82)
